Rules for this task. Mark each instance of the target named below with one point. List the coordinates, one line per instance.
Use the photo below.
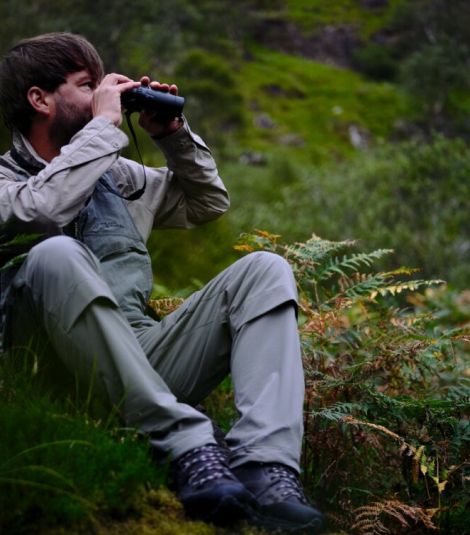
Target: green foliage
(132, 34)
(432, 75)
(58, 466)
(427, 42)
(199, 255)
(376, 61)
(412, 198)
(387, 430)
(13, 249)
(215, 103)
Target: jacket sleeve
(57, 193)
(188, 192)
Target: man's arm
(58, 192)
(188, 192)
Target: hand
(106, 101)
(150, 121)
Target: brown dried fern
(165, 306)
(370, 519)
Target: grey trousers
(242, 322)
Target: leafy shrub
(376, 61)
(387, 430)
(432, 75)
(412, 198)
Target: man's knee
(263, 272)
(55, 254)
(266, 262)
(62, 277)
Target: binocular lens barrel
(145, 98)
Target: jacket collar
(24, 154)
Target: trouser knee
(268, 260)
(258, 283)
(271, 270)
(54, 256)
(61, 276)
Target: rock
(358, 137)
(332, 44)
(291, 140)
(252, 158)
(263, 120)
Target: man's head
(44, 62)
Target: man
(83, 288)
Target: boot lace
(285, 483)
(204, 464)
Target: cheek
(86, 101)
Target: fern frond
(369, 517)
(359, 286)
(339, 266)
(412, 286)
(338, 411)
(315, 250)
(354, 421)
(19, 259)
(20, 239)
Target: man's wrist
(168, 129)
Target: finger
(125, 86)
(173, 89)
(115, 78)
(145, 80)
(159, 87)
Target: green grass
(313, 14)
(60, 464)
(314, 105)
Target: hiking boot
(281, 500)
(208, 489)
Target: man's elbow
(209, 211)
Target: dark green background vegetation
(349, 119)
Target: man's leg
(243, 322)
(59, 290)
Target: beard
(69, 120)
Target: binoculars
(145, 98)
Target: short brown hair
(44, 61)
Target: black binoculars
(145, 98)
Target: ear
(41, 100)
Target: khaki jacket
(186, 193)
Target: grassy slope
(312, 14)
(314, 102)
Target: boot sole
(228, 510)
(314, 527)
